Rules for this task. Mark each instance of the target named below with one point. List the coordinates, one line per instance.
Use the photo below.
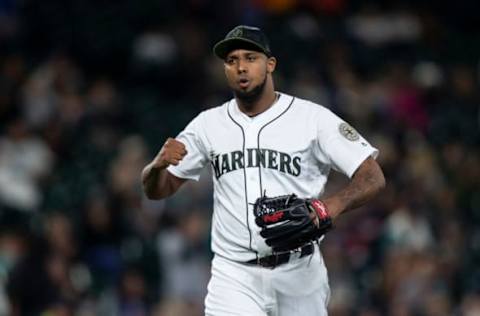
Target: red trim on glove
(320, 208)
(273, 218)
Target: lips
(244, 83)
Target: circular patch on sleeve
(348, 132)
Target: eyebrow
(246, 54)
(251, 53)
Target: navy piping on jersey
(244, 180)
(258, 142)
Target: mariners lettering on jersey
(266, 158)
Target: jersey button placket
(250, 159)
(251, 164)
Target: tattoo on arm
(366, 183)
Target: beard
(250, 97)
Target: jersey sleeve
(341, 145)
(196, 158)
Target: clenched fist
(171, 153)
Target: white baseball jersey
(289, 148)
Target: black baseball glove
(289, 222)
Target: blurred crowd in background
(90, 90)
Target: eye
(251, 58)
(230, 61)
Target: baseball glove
(289, 222)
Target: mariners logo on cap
(237, 32)
(348, 132)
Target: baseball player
(270, 155)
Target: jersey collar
(272, 112)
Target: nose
(242, 66)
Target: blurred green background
(89, 91)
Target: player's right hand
(172, 153)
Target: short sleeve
(341, 145)
(196, 158)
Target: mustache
(250, 97)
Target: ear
(271, 64)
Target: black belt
(282, 257)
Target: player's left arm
(367, 181)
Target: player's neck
(266, 100)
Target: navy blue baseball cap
(243, 37)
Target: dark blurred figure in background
(41, 281)
(87, 90)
